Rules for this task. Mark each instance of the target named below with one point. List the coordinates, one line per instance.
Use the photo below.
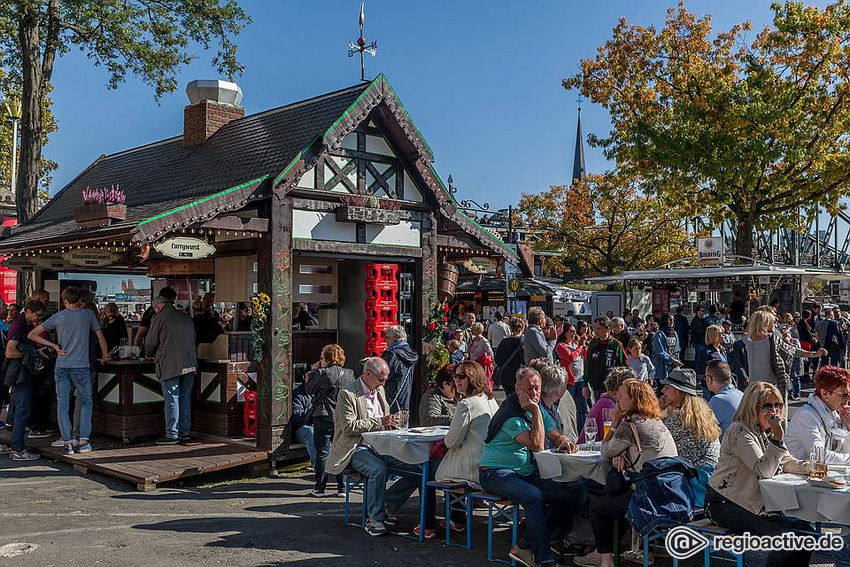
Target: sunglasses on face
(777, 407)
(459, 375)
(844, 395)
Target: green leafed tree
(150, 39)
(736, 125)
(603, 226)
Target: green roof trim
(463, 213)
(406, 113)
(295, 160)
(204, 200)
(354, 104)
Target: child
(639, 362)
(455, 354)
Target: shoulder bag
(616, 482)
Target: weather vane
(361, 47)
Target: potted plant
(101, 206)
(370, 209)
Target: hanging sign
(710, 250)
(480, 266)
(51, 261)
(184, 248)
(19, 263)
(90, 257)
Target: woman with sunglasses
(753, 448)
(825, 419)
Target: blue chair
(500, 512)
(457, 498)
(355, 483)
(708, 529)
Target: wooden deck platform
(148, 464)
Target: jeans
(323, 434)
(374, 467)
(795, 386)
(304, 434)
(842, 558)
(404, 488)
(729, 515)
(581, 404)
(177, 395)
(548, 504)
(833, 355)
(22, 402)
(78, 379)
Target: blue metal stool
(457, 497)
(499, 512)
(355, 483)
(709, 530)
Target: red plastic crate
(382, 272)
(385, 316)
(374, 348)
(382, 295)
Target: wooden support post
(274, 388)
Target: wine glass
(590, 431)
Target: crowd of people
(564, 382)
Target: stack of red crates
(381, 305)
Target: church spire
(579, 173)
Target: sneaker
(23, 456)
(564, 548)
(374, 527)
(340, 492)
(458, 527)
(318, 493)
(167, 441)
(5, 449)
(39, 434)
(184, 438)
(84, 448)
(390, 519)
(9, 425)
(592, 559)
(68, 450)
(429, 532)
(522, 556)
(636, 556)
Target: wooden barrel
(447, 281)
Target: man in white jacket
(825, 420)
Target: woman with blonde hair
(753, 448)
(758, 357)
(637, 436)
(323, 383)
(693, 426)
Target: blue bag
(663, 494)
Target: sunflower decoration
(261, 306)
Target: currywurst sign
(183, 248)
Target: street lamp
(13, 113)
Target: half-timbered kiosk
(299, 202)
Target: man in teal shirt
(516, 431)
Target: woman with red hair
(637, 436)
(825, 420)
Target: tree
(604, 225)
(728, 126)
(146, 38)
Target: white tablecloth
(794, 496)
(412, 446)
(566, 467)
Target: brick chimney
(213, 104)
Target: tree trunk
(26, 193)
(744, 241)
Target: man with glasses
(362, 407)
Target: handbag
(616, 482)
(438, 450)
(497, 373)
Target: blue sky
(482, 80)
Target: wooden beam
(355, 248)
(238, 223)
(204, 267)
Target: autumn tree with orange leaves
(603, 226)
(748, 127)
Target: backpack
(663, 494)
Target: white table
(567, 467)
(795, 497)
(413, 447)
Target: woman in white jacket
(825, 420)
(465, 439)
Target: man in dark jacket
(171, 341)
(19, 378)
(402, 362)
(509, 356)
(680, 323)
(303, 433)
(603, 353)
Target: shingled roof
(164, 175)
